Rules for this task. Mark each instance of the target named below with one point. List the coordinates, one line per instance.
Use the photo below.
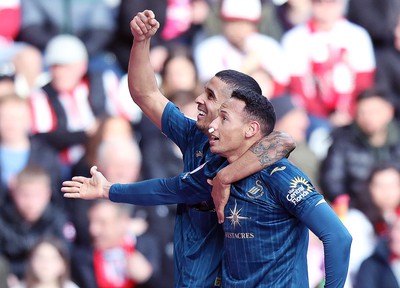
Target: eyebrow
(209, 90)
(222, 109)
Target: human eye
(210, 94)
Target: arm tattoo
(273, 147)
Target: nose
(212, 127)
(200, 98)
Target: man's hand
(87, 188)
(144, 25)
(220, 194)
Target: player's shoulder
(182, 129)
(281, 169)
(173, 115)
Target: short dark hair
(382, 166)
(257, 108)
(237, 80)
(376, 92)
(62, 248)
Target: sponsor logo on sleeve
(299, 188)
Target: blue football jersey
(198, 240)
(265, 240)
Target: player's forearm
(189, 189)
(141, 77)
(262, 154)
(155, 191)
(336, 239)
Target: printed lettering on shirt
(240, 235)
(256, 191)
(299, 189)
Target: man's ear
(253, 128)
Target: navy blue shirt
(266, 226)
(266, 230)
(198, 238)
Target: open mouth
(212, 139)
(201, 113)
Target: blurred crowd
(330, 67)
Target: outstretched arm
(141, 79)
(324, 223)
(189, 188)
(262, 154)
(87, 188)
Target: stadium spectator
(382, 21)
(48, 265)
(334, 64)
(381, 268)
(28, 216)
(241, 47)
(20, 149)
(24, 58)
(67, 109)
(114, 258)
(373, 137)
(93, 22)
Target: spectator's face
(106, 227)
(121, 167)
(121, 163)
(373, 115)
(265, 80)
(180, 75)
(116, 127)
(230, 130)
(237, 32)
(327, 12)
(215, 93)
(295, 123)
(14, 121)
(66, 77)
(385, 189)
(31, 198)
(47, 263)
